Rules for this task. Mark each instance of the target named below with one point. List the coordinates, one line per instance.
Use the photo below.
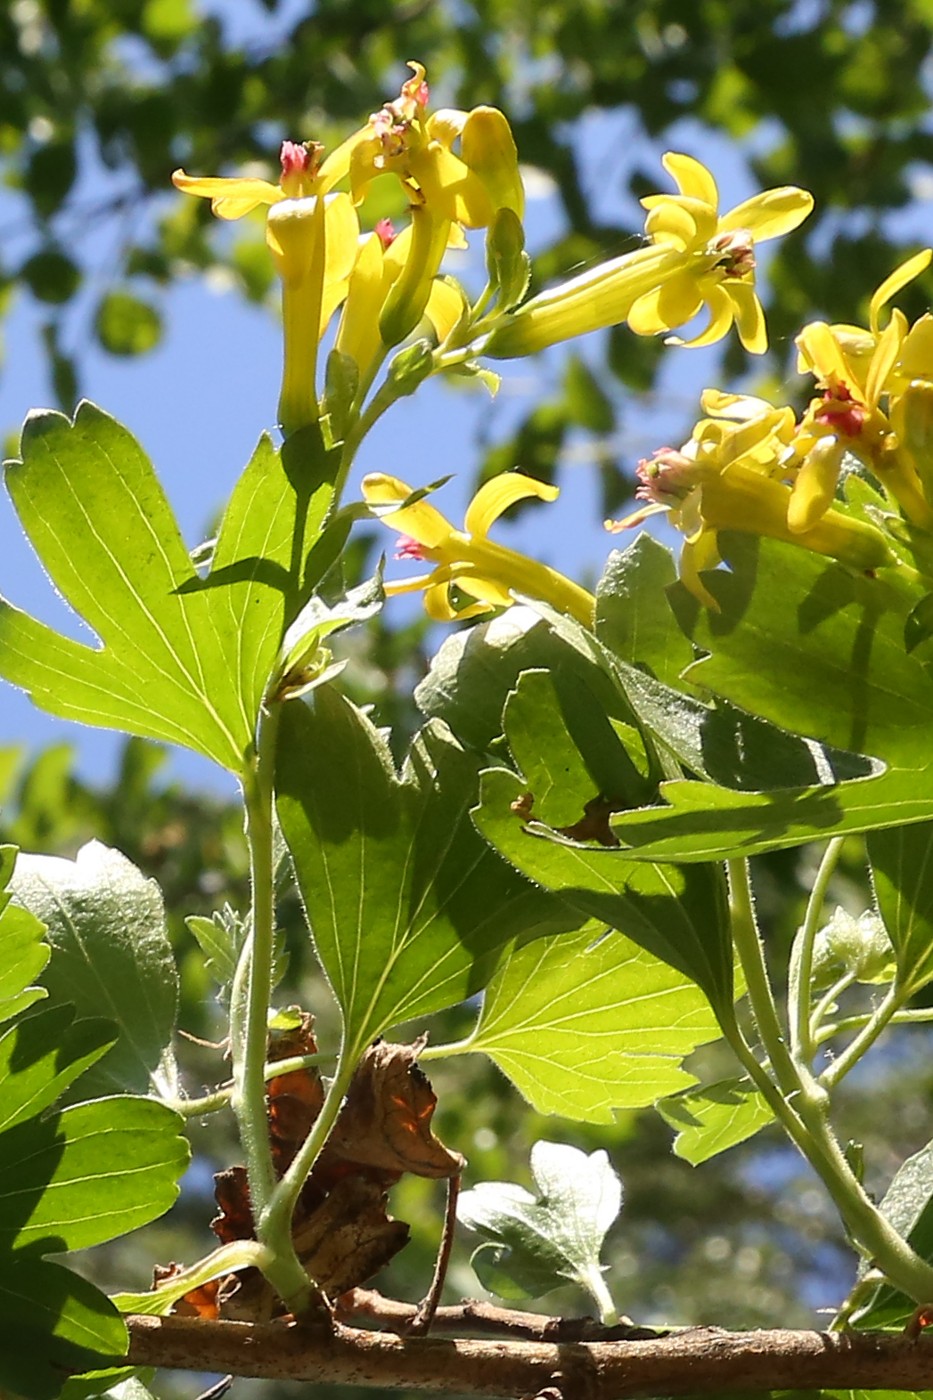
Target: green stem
(273, 1227)
(826, 1001)
(801, 975)
(801, 1105)
(760, 997)
(873, 1027)
(220, 1098)
(252, 986)
(806, 1123)
(912, 1016)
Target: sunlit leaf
(407, 905)
(23, 953)
(714, 1117)
(181, 658)
(538, 1243)
(587, 1022)
(677, 913)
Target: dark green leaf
(634, 619)
(42, 1055)
(820, 651)
(52, 1322)
(407, 905)
(88, 1174)
(51, 276)
(106, 925)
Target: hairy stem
(799, 990)
(877, 1022)
(760, 996)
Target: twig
(421, 1322)
(474, 1316)
(702, 1361)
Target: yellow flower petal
(668, 222)
(769, 214)
(421, 521)
(916, 360)
(820, 353)
(892, 284)
(497, 495)
(885, 357)
(721, 313)
(749, 317)
(488, 147)
(445, 306)
(674, 303)
(693, 179)
(815, 488)
(230, 198)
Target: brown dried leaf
(350, 1237)
(199, 1302)
(385, 1122)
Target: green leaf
(88, 1174)
(908, 1204)
(42, 1055)
(538, 1243)
(407, 905)
(23, 954)
(902, 873)
(182, 658)
(126, 325)
(571, 750)
(587, 1022)
(714, 1117)
(52, 1322)
(677, 913)
(633, 616)
(106, 925)
(820, 651)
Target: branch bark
(700, 1361)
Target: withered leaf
(386, 1120)
(349, 1237)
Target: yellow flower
(403, 140)
(467, 559)
(381, 261)
(720, 254)
(693, 259)
(729, 476)
(312, 235)
(861, 375)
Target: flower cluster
(459, 171)
(753, 467)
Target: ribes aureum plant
(568, 834)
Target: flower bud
(487, 146)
